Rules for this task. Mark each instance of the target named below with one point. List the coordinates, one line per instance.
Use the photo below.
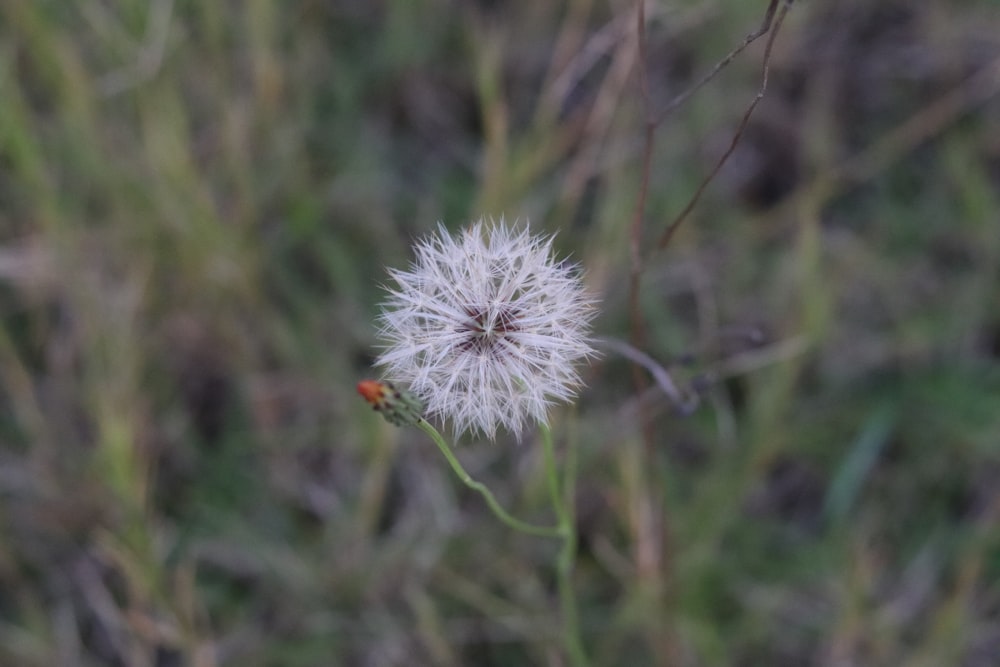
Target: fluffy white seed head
(486, 328)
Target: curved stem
(483, 490)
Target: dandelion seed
(486, 328)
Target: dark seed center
(483, 328)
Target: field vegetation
(198, 203)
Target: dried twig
(684, 402)
(770, 20)
(771, 24)
(637, 326)
(765, 26)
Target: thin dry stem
(765, 70)
(680, 99)
(651, 536)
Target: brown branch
(637, 325)
(770, 25)
(765, 26)
(765, 71)
(652, 532)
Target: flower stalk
(399, 407)
(561, 494)
(562, 503)
(484, 491)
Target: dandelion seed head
(486, 327)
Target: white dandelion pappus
(486, 328)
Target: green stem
(562, 501)
(500, 512)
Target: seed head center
(485, 326)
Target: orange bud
(372, 391)
(398, 406)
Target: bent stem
(483, 490)
(562, 501)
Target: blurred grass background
(197, 203)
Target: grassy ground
(198, 201)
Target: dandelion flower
(486, 328)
